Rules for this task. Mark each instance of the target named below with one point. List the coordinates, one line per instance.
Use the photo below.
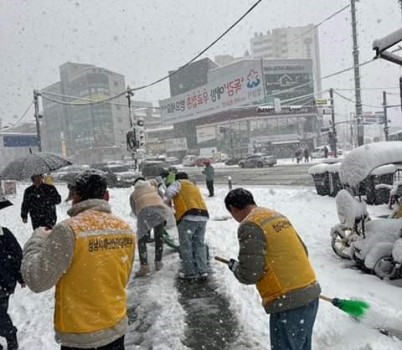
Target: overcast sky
(145, 39)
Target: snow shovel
(354, 308)
(169, 242)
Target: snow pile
(358, 164)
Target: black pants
(142, 245)
(210, 187)
(6, 325)
(116, 345)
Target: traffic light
(141, 133)
(131, 140)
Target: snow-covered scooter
(375, 245)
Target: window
(116, 83)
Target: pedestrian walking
(299, 155)
(306, 155)
(152, 214)
(40, 202)
(326, 152)
(10, 274)
(89, 258)
(191, 216)
(274, 258)
(209, 173)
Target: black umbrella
(33, 164)
(4, 203)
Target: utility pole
(333, 138)
(129, 93)
(358, 97)
(384, 103)
(36, 94)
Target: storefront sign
(173, 145)
(238, 87)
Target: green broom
(354, 308)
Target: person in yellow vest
(274, 258)
(191, 216)
(89, 258)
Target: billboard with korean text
(240, 84)
(288, 80)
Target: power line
(202, 52)
(178, 70)
(365, 105)
(77, 104)
(318, 24)
(19, 120)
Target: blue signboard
(20, 140)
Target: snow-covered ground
(311, 214)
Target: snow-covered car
(118, 175)
(318, 152)
(258, 161)
(189, 160)
(69, 172)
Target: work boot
(158, 265)
(12, 342)
(143, 271)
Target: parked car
(189, 160)
(200, 161)
(152, 168)
(318, 152)
(117, 175)
(68, 172)
(258, 161)
(233, 161)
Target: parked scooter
(374, 245)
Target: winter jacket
(10, 262)
(89, 258)
(144, 195)
(149, 208)
(189, 201)
(209, 172)
(40, 202)
(273, 257)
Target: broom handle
(323, 297)
(226, 261)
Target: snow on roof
(384, 169)
(358, 163)
(323, 168)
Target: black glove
(233, 264)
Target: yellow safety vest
(91, 295)
(189, 201)
(287, 267)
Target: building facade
(224, 113)
(16, 142)
(289, 43)
(83, 131)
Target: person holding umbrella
(39, 202)
(10, 274)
